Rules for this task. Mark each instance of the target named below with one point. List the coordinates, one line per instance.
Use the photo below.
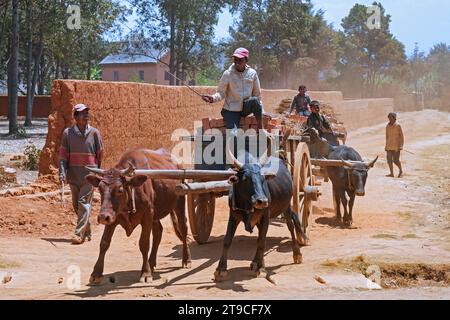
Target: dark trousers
(393, 157)
(251, 105)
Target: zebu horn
(96, 170)
(264, 158)
(231, 158)
(128, 171)
(371, 164)
(346, 163)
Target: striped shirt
(80, 150)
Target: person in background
(319, 121)
(300, 103)
(81, 145)
(394, 144)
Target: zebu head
(115, 190)
(357, 175)
(250, 189)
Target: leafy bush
(32, 155)
(21, 132)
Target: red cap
(241, 53)
(80, 107)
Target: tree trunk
(13, 69)
(172, 44)
(42, 73)
(57, 69)
(88, 71)
(3, 29)
(29, 106)
(37, 62)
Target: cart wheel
(303, 178)
(201, 215)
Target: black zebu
(350, 179)
(257, 196)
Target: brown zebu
(152, 199)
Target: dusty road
(402, 227)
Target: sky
(426, 22)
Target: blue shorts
(233, 118)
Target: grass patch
(385, 236)
(8, 264)
(395, 275)
(405, 215)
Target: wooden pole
(202, 187)
(186, 174)
(330, 163)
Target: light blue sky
(426, 22)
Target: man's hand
(208, 99)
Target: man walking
(240, 88)
(394, 144)
(81, 145)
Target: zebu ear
(269, 175)
(93, 179)
(233, 179)
(136, 181)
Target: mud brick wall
(131, 115)
(128, 115)
(272, 98)
(363, 113)
(41, 106)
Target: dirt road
(402, 231)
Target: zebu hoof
(220, 276)
(261, 273)
(303, 241)
(298, 258)
(95, 280)
(187, 265)
(146, 278)
(348, 223)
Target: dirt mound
(36, 216)
(397, 275)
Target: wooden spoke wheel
(201, 215)
(303, 181)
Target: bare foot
(400, 174)
(390, 175)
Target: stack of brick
(7, 176)
(284, 106)
(245, 124)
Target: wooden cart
(206, 182)
(201, 194)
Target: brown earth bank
(401, 240)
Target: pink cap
(80, 107)
(241, 53)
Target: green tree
(186, 28)
(48, 48)
(288, 41)
(368, 54)
(439, 58)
